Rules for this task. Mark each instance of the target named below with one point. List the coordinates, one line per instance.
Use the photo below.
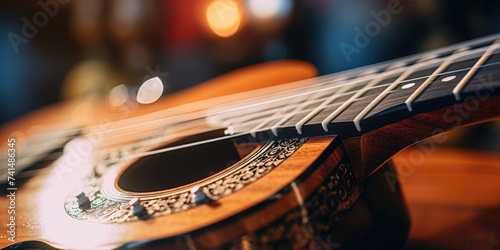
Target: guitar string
(178, 118)
(364, 70)
(459, 47)
(142, 154)
(262, 129)
(364, 73)
(154, 141)
(274, 110)
(315, 85)
(386, 75)
(35, 172)
(203, 115)
(195, 114)
(147, 153)
(391, 72)
(279, 108)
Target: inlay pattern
(325, 209)
(105, 210)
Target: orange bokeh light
(224, 17)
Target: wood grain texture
(40, 199)
(373, 149)
(86, 112)
(40, 215)
(452, 196)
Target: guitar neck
(360, 101)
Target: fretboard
(358, 101)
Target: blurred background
(52, 50)
(56, 49)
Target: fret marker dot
(448, 78)
(408, 85)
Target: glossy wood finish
(371, 150)
(40, 215)
(254, 207)
(88, 112)
(452, 197)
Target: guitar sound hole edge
(173, 169)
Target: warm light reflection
(56, 225)
(223, 17)
(265, 9)
(118, 95)
(150, 91)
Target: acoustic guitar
(245, 161)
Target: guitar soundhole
(179, 167)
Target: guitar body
(267, 212)
(159, 176)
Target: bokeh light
(118, 95)
(224, 17)
(150, 91)
(267, 9)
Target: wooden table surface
(453, 196)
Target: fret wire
(186, 145)
(303, 103)
(458, 53)
(324, 104)
(181, 132)
(302, 94)
(456, 91)
(230, 118)
(171, 122)
(275, 115)
(228, 110)
(426, 83)
(397, 65)
(311, 100)
(246, 115)
(315, 93)
(367, 109)
(335, 104)
(436, 51)
(319, 81)
(157, 140)
(348, 72)
(250, 122)
(372, 83)
(314, 85)
(300, 84)
(157, 151)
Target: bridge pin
(83, 201)
(138, 209)
(199, 197)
